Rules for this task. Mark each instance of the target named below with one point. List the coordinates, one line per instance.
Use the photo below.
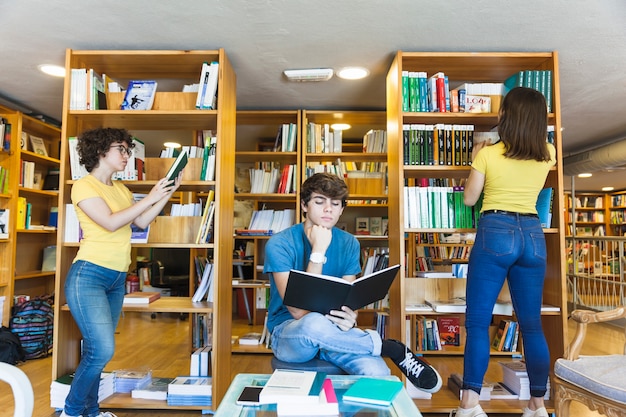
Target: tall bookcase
(465, 67)
(26, 277)
(173, 111)
(368, 196)
(257, 132)
(592, 211)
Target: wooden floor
(142, 340)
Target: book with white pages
(204, 283)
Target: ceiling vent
(608, 156)
(312, 74)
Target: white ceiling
(264, 37)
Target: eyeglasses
(123, 150)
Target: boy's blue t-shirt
(290, 249)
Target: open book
(322, 293)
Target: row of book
(443, 253)
(506, 337)
(286, 138)
(5, 134)
(540, 80)
(591, 216)
(344, 169)
(372, 226)
(135, 166)
(434, 333)
(428, 207)
(205, 281)
(423, 93)
(4, 180)
(465, 238)
(267, 178)
(321, 138)
(268, 222)
(440, 144)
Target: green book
(373, 391)
(177, 166)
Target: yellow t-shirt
(511, 184)
(98, 245)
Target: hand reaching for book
(345, 318)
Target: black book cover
(323, 293)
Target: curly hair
(523, 125)
(94, 143)
(329, 185)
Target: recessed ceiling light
(54, 70)
(340, 126)
(309, 74)
(352, 73)
(585, 175)
(171, 144)
(608, 188)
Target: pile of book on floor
(60, 387)
(127, 380)
(489, 390)
(515, 378)
(190, 390)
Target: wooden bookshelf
(465, 67)
(25, 277)
(173, 113)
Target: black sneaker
(418, 371)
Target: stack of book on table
(190, 390)
(373, 391)
(127, 380)
(300, 393)
(515, 379)
(60, 387)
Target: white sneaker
(540, 412)
(65, 415)
(476, 411)
(106, 414)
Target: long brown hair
(523, 125)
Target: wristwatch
(317, 258)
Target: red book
(449, 330)
(441, 94)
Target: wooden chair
(599, 382)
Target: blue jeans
(95, 296)
(514, 247)
(355, 351)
